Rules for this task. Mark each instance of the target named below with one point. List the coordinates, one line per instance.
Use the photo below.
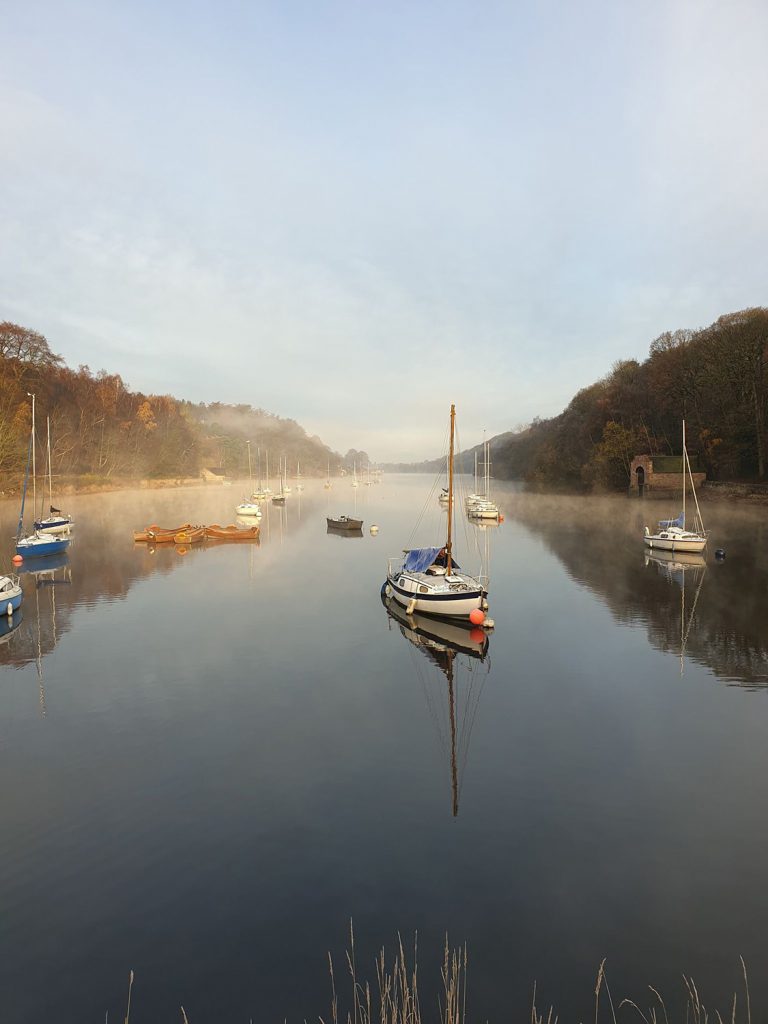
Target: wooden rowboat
(160, 534)
(190, 536)
(217, 532)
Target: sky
(356, 213)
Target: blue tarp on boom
(666, 523)
(420, 559)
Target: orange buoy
(476, 617)
(17, 559)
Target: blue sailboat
(37, 543)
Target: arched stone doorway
(640, 475)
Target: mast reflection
(460, 653)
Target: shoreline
(751, 493)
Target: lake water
(211, 761)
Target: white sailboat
(428, 579)
(671, 534)
(246, 508)
(299, 484)
(56, 521)
(354, 475)
(36, 544)
(327, 484)
(480, 506)
(279, 498)
(260, 493)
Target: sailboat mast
(452, 712)
(34, 468)
(20, 527)
(450, 496)
(50, 470)
(683, 462)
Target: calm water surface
(212, 761)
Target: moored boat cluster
(188, 533)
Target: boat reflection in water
(334, 531)
(674, 566)
(460, 654)
(45, 567)
(49, 573)
(9, 624)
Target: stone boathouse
(661, 474)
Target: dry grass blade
(746, 990)
(128, 1007)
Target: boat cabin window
(423, 589)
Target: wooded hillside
(101, 429)
(715, 378)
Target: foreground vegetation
(716, 378)
(393, 998)
(101, 430)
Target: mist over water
(213, 760)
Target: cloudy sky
(354, 213)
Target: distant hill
(464, 462)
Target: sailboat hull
(40, 544)
(695, 546)
(483, 512)
(446, 600)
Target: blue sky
(356, 213)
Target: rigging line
(465, 752)
(429, 502)
(693, 609)
(416, 653)
(471, 542)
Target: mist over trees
(716, 378)
(101, 429)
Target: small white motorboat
(249, 509)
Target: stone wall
(644, 480)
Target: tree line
(715, 378)
(102, 429)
